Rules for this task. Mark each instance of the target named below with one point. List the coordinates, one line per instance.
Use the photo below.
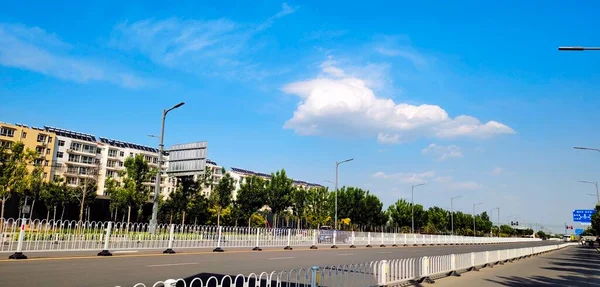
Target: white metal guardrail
(21, 236)
(377, 273)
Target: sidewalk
(572, 266)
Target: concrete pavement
(572, 266)
(127, 269)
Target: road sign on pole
(578, 231)
(583, 215)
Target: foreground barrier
(377, 273)
(20, 236)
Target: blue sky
(472, 98)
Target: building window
(49, 139)
(48, 151)
(61, 143)
(112, 152)
(46, 164)
(73, 170)
(7, 132)
(73, 158)
(41, 138)
(76, 146)
(72, 180)
(87, 159)
(110, 163)
(37, 162)
(39, 150)
(24, 135)
(45, 174)
(89, 149)
(122, 153)
(59, 154)
(56, 177)
(155, 160)
(111, 174)
(130, 154)
(120, 163)
(5, 144)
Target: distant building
(37, 139)
(240, 175)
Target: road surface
(130, 267)
(572, 266)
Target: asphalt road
(130, 267)
(572, 266)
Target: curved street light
(412, 206)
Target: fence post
(382, 245)
(414, 239)
(453, 265)
(405, 239)
(105, 251)
(171, 238)
(19, 254)
(314, 280)
(288, 247)
(473, 267)
(334, 238)
(425, 270)
(487, 259)
(394, 240)
(314, 246)
(257, 248)
(423, 239)
(369, 240)
(382, 273)
(353, 237)
(219, 249)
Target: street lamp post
(154, 219)
(337, 164)
(474, 233)
(452, 212)
(412, 206)
(578, 48)
(498, 208)
(595, 183)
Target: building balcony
(80, 164)
(84, 152)
(116, 167)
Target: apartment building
(114, 153)
(240, 175)
(216, 172)
(77, 157)
(33, 138)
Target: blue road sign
(578, 231)
(583, 215)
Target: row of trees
(256, 199)
(21, 176)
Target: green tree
(118, 196)
(350, 204)
(299, 205)
(251, 197)
(53, 193)
(400, 214)
(318, 205)
(84, 195)
(596, 219)
(220, 197)
(279, 190)
(137, 173)
(438, 218)
(35, 184)
(372, 211)
(13, 172)
(541, 234)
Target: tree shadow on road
(580, 267)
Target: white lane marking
(281, 258)
(173, 264)
(125, 251)
(385, 252)
(345, 254)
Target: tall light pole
(498, 208)
(595, 183)
(154, 219)
(412, 206)
(578, 48)
(337, 164)
(474, 234)
(452, 212)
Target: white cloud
(33, 49)
(452, 184)
(336, 102)
(442, 152)
(217, 47)
(413, 178)
(399, 46)
(388, 139)
(497, 171)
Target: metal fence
(22, 236)
(377, 273)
